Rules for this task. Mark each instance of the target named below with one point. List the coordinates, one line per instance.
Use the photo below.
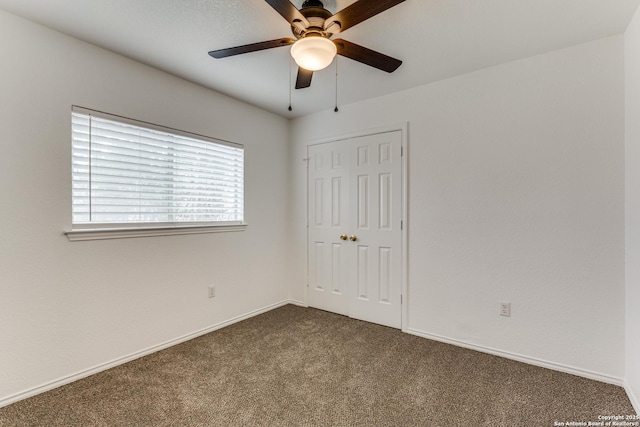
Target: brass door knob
(343, 237)
(353, 238)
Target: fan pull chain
(290, 83)
(336, 109)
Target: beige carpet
(304, 367)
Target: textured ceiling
(436, 39)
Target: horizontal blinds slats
(114, 169)
(140, 149)
(124, 173)
(153, 218)
(140, 156)
(116, 124)
(142, 187)
(151, 142)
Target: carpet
(297, 366)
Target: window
(134, 174)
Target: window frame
(101, 231)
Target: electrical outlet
(505, 309)
(212, 291)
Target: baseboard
(632, 397)
(122, 360)
(298, 303)
(524, 359)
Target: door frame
(403, 127)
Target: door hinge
(401, 225)
(401, 151)
(400, 299)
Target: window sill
(127, 233)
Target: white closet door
(328, 216)
(376, 215)
(355, 235)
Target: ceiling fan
(313, 26)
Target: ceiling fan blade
(360, 11)
(253, 47)
(304, 78)
(287, 10)
(367, 56)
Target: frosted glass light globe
(313, 53)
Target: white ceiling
(436, 39)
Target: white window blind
(133, 173)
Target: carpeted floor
(304, 367)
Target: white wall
(68, 307)
(632, 89)
(516, 193)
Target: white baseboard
(122, 360)
(632, 397)
(298, 303)
(524, 359)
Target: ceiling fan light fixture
(313, 53)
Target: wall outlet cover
(505, 309)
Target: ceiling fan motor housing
(312, 3)
(316, 15)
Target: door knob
(343, 237)
(353, 238)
